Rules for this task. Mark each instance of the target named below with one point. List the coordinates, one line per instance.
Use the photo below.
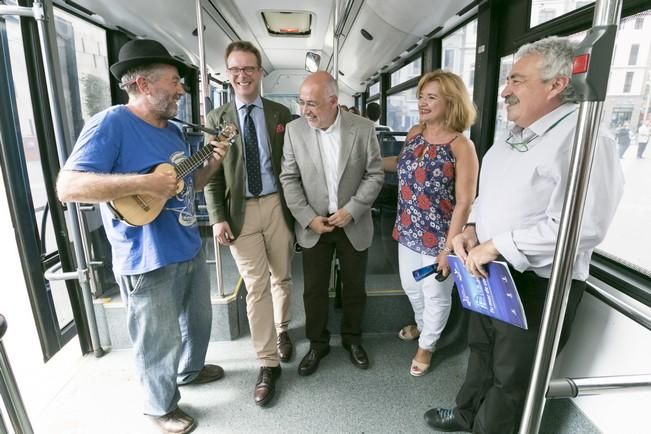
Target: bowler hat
(143, 52)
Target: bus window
(627, 117)
(458, 53)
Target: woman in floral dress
(437, 171)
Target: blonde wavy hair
(461, 112)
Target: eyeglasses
(248, 70)
(308, 104)
(522, 146)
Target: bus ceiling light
(312, 61)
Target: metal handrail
(573, 387)
(620, 305)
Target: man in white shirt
(331, 174)
(516, 216)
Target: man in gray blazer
(331, 174)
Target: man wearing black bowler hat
(159, 266)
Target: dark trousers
(641, 147)
(491, 399)
(317, 262)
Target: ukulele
(141, 209)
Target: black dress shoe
(310, 362)
(285, 347)
(266, 384)
(357, 355)
(442, 419)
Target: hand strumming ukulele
(141, 209)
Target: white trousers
(430, 299)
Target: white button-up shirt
(330, 143)
(521, 194)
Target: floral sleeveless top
(425, 196)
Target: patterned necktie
(253, 176)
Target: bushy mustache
(511, 99)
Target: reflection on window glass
(459, 53)
(84, 68)
(627, 116)
(410, 70)
(58, 289)
(546, 10)
(374, 89)
(402, 110)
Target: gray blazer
(360, 178)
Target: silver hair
(128, 79)
(558, 55)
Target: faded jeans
(169, 318)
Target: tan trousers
(263, 254)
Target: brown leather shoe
(266, 384)
(285, 347)
(174, 422)
(208, 374)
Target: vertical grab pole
(591, 88)
(203, 91)
(10, 393)
(57, 122)
(335, 41)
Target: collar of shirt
(333, 129)
(241, 104)
(543, 125)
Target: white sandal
(418, 369)
(409, 333)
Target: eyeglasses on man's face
(308, 104)
(248, 70)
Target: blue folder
(495, 296)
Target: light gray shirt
(266, 171)
(521, 194)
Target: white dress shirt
(330, 142)
(521, 194)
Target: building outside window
(546, 10)
(459, 53)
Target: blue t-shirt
(117, 141)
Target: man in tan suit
(248, 212)
(331, 174)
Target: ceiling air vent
(287, 23)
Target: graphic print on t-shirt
(185, 196)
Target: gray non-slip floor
(104, 397)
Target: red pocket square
(280, 128)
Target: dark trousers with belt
(491, 399)
(317, 263)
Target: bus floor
(103, 395)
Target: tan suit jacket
(360, 177)
(226, 190)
